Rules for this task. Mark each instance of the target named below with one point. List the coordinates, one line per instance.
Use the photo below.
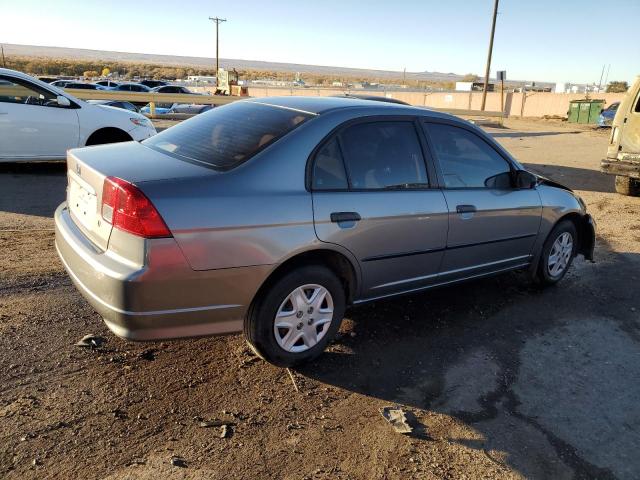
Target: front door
(492, 225)
(32, 126)
(371, 195)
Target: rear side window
(466, 160)
(328, 169)
(225, 137)
(383, 155)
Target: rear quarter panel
(256, 214)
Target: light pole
(217, 21)
(486, 74)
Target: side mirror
(501, 181)
(524, 179)
(63, 101)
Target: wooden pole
(488, 69)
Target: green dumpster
(584, 111)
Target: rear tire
(308, 305)
(627, 186)
(558, 252)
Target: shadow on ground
(575, 178)
(548, 377)
(32, 188)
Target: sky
(544, 40)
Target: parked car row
(157, 86)
(168, 108)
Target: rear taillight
(127, 208)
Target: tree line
(45, 66)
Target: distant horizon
(550, 40)
(329, 68)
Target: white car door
(32, 125)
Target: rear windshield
(225, 137)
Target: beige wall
(537, 104)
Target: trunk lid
(88, 167)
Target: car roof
(320, 105)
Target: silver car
(273, 215)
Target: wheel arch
(340, 263)
(107, 135)
(586, 232)
(586, 236)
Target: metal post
(4, 62)
(217, 21)
(488, 69)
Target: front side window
(466, 160)
(383, 155)
(227, 136)
(13, 90)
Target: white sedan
(41, 122)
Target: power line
(486, 74)
(217, 21)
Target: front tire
(295, 318)
(627, 186)
(558, 252)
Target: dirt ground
(500, 379)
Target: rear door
(31, 123)
(372, 195)
(492, 225)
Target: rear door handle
(337, 217)
(466, 209)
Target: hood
(117, 111)
(546, 181)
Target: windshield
(227, 136)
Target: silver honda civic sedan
(273, 215)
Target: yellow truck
(623, 153)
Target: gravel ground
(499, 378)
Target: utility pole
(4, 62)
(601, 75)
(488, 70)
(606, 78)
(217, 21)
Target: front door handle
(338, 217)
(466, 209)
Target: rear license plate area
(82, 202)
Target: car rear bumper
(625, 168)
(162, 299)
